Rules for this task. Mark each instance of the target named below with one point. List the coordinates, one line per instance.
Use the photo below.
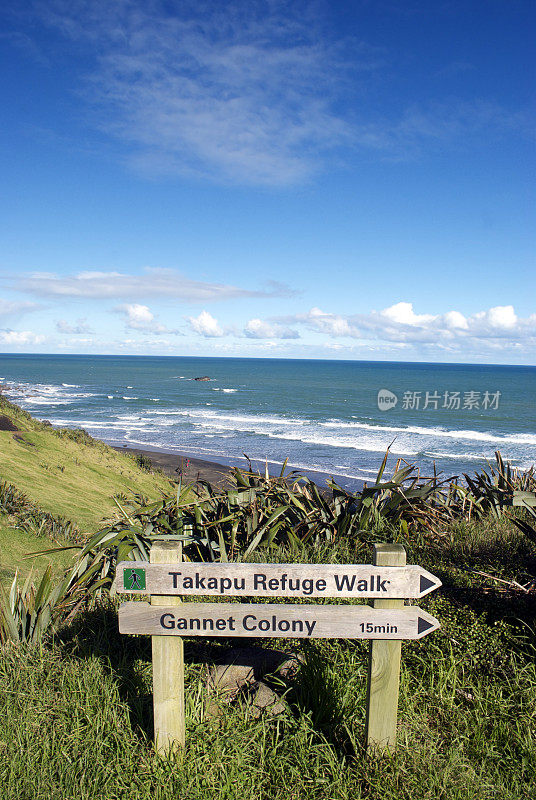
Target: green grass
(76, 712)
(15, 548)
(72, 476)
(76, 716)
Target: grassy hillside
(15, 547)
(76, 716)
(68, 473)
(76, 707)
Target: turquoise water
(321, 415)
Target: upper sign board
(274, 580)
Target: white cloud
(453, 319)
(400, 325)
(10, 308)
(260, 92)
(325, 322)
(502, 317)
(421, 128)
(81, 327)
(140, 318)
(206, 325)
(403, 314)
(332, 324)
(151, 283)
(242, 90)
(260, 329)
(10, 337)
(336, 346)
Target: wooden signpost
(275, 580)
(524, 499)
(168, 665)
(275, 621)
(166, 619)
(383, 679)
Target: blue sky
(273, 179)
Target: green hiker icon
(134, 579)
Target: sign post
(166, 619)
(168, 663)
(384, 667)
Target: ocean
(333, 417)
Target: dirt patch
(22, 440)
(6, 424)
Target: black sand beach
(176, 464)
(193, 468)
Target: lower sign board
(274, 580)
(276, 620)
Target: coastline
(193, 467)
(172, 463)
(325, 418)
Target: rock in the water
(204, 378)
(6, 424)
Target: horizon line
(268, 358)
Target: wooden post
(168, 665)
(384, 667)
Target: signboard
(524, 499)
(166, 578)
(275, 580)
(276, 620)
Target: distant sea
(321, 415)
